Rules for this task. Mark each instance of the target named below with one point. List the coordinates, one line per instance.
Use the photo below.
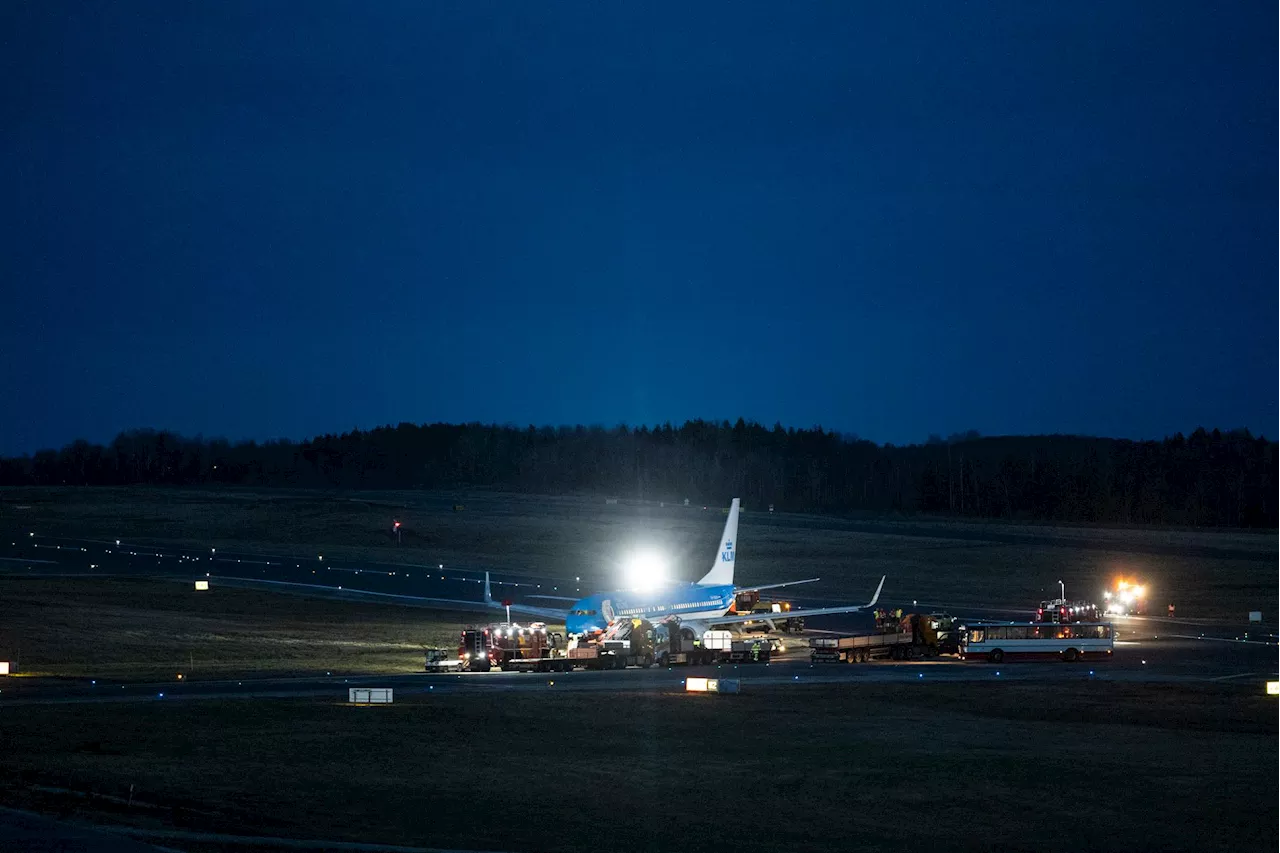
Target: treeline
(1207, 479)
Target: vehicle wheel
(647, 662)
(996, 655)
(663, 659)
(864, 656)
(1071, 655)
(932, 651)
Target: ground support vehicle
(622, 646)
(512, 647)
(999, 641)
(773, 615)
(442, 660)
(1061, 610)
(900, 637)
(678, 646)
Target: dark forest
(1208, 478)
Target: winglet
(488, 596)
(876, 597)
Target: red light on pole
(395, 525)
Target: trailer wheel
(1071, 655)
(864, 656)
(996, 655)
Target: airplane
(695, 606)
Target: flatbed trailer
(860, 648)
(601, 657)
(715, 647)
(555, 662)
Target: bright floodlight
(646, 570)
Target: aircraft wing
(319, 590)
(739, 589)
(802, 612)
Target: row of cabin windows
(1078, 631)
(631, 611)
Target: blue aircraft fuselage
(688, 602)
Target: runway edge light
(1273, 688)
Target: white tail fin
(722, 569)
(488, 596)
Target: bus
(996, 641)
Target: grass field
(1207, 574)
(141, 629)
(871, 767)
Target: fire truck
(512, 647)
(1059, 610)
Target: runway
(1166, 660)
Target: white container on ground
(369, 695)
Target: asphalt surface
(1150, 649)
(34, 833)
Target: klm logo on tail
(722, 566)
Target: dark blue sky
(253, 220)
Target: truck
(1126, 598)
(442, 660)
(512, 647)
(773, 615)
(898, 637)
(1059, 610)
(678, 646)
(626, 645)
(640, 643)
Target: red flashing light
(397, 525)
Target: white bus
(996, 641)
